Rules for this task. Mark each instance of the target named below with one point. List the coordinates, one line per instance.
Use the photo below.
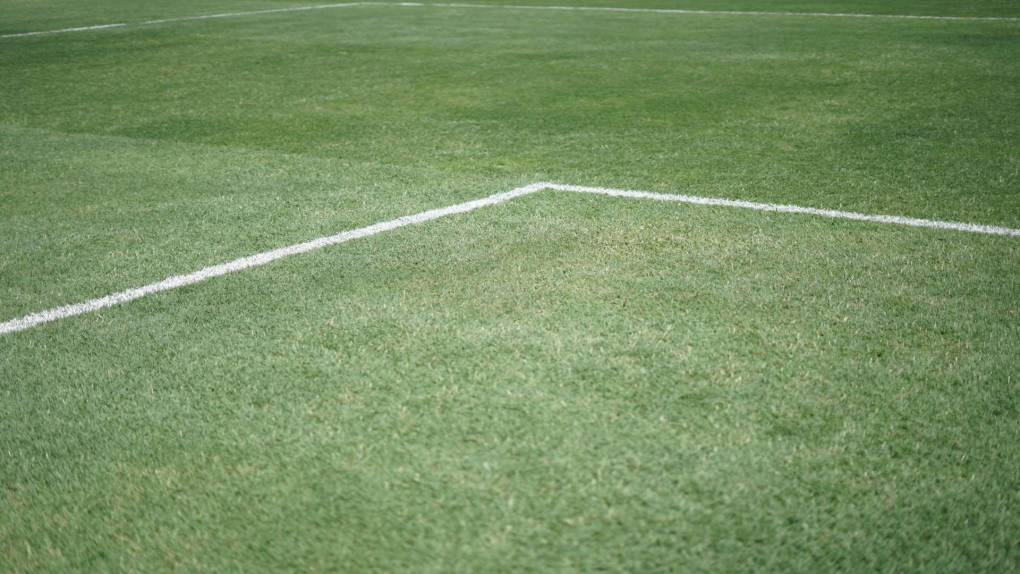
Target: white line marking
(256, 260)
(833, 213)
(706, 12)
(188, 19)
(679, 11)
(260, 259)
(63, 30)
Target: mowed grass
(564, 382)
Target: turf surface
(559, 383)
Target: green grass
(564, 383)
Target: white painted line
(678, 11)
(187, 19)
(63, 30)
(832, 213)
(256, 260)
(260, 259)
(706, 12)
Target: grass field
(563, 382)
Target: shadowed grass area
(563, 383)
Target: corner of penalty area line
(264, 258)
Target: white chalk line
(263, 258)
(707, 12)
(611, 9)
(832, 213)
(187, 19)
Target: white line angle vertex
(259, 259)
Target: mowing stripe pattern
(610, 9)
(263, 258)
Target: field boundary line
(609, 9)
(260, 259)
